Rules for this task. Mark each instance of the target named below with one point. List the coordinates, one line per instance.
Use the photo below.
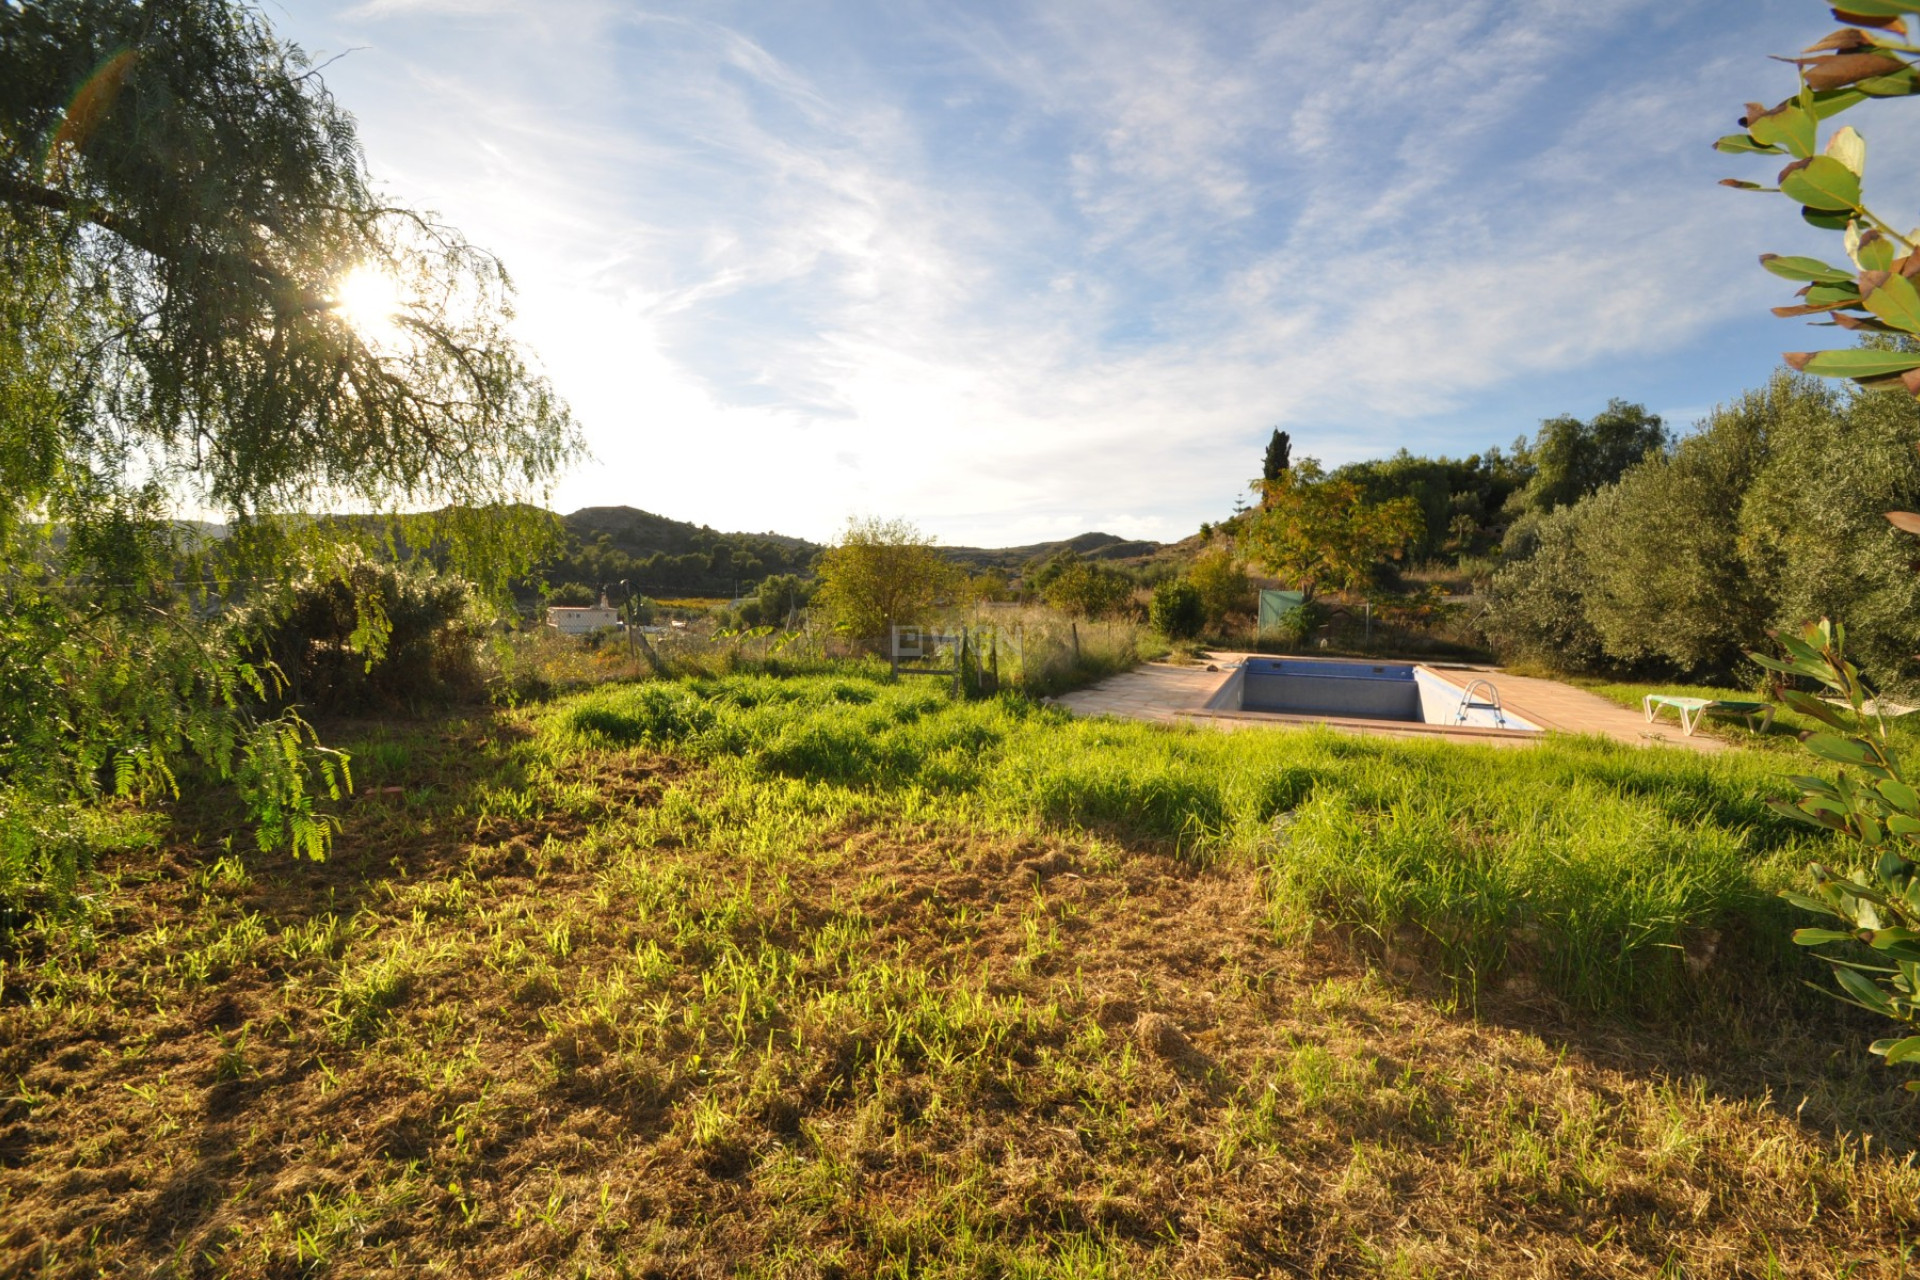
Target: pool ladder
(1493, 704)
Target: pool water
(1363, 690)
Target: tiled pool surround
(1401, 692)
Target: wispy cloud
(1029, 269)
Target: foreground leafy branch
(1871, 802)
(1871, 58)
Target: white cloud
(1065, 267)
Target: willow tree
(208, 309)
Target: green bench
(1692, 709)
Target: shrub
(1667, 577)
(1223, 586)
(883, 573)
(1179, 610)
(1538, 608)
(574, 595)
(1085, 589)
(1767, 517)
(369, 634)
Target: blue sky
(1016, 271)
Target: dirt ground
(604, 1017)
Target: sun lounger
(1692, 709)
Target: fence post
(1075, 626)
(893, 651)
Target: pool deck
(1178, 695)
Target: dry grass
(561, 1010)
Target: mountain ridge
(641, 535)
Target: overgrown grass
(823, 976)
(1591, 868)
(47, 849)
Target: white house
(578, 620)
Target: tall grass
(1046, 652)
(1607, 874)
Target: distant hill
(644, 532)
(664, 556)
(1090, 546)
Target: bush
(1297, 625)
(1179, 610)
(883, 573)
(1085, 589)
(576, 595)
(1223, 586)
(368, 635)
(1538, 609)
(779, 599)
(1766, 518)
(1667, 577)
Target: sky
(1017, 271)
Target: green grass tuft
(1594, 869)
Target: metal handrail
(1467, 703)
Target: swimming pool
(1403, 692)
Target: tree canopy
(1278, 458)
(186, 212)
(1766, 517)
(1319, 533)
(881, 574)
(1567, 459)
(209, 310)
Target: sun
(368, 299)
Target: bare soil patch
(599, 1014)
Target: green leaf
(1831, 746)
(1804, 269)
(1897, 1050)
(1737, 143)
(1896, 301)
(1820, 937)
(1823, 184)
(1831, 102)
(1831, 295)
(1864, 990)
(1896, 85)
(1901, 796)
(1808, 705)
(1857, 362)
(1878, 8)
(1788, 127)
(1786, 810)
(1875, 254)
(1814, 905)
(1887, 939)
